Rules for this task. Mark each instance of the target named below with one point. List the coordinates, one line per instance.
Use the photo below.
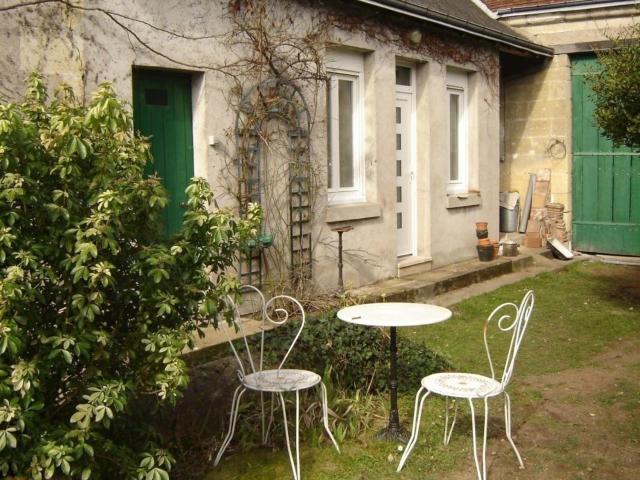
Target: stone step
(426, 285)
(418, 287)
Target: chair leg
(235, 403)
(484, 439)
(264, 427)
(295, 466)
(421, 396)
(298, 433)
(507, 422)
(325, 415)
(267, 431)
(449, 430)
(481, 471)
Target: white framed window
(345, 114)
(457, 87)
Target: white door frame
(413, 190)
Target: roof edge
(562, 7)
(430, 16)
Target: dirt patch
(623, 283)
(585, 424)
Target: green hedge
(357, 356)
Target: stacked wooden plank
(536, 229)
(556, 226)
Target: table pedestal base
(394, 433)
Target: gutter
(566, 7)
(421, 13)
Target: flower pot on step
(485, 252)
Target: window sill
(461, 200)
(353, 211)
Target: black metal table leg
(394, 431)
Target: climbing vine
(275, 74)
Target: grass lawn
(576, 407)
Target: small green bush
(616, 88)
(357, 356)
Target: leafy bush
(617, 89)
(357, 356)
(94, 308)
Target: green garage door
(606, 180)
(162, 111)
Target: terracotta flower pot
(485, 252)
(481, 225)
(496, 249)
(484, 242)
(482, 233)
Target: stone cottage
(396, 133)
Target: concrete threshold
(427, 285)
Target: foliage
(616, 88)
(356, 356)
(585, 325)
(351, 413)
(94, 308)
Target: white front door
(405, 173)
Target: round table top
(394, 314)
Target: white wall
(85, 49)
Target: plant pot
(485, 253)
(510, 249)
(484, 242)
(266, 239)
(482, 225)
(496, 249)
(482, 233)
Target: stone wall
(537, 105)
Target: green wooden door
(606, 180)
(162, 111)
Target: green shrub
(94, 309)
(616, 88)
(357, 356)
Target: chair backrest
(513, 318)
(275, 311)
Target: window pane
(454, 154)
(155, 96)
(399, 220)
(398, 168)
(403, 76)
(345, 131)
(398, 141)
(331, 134)
(399, 194)
(398, 115)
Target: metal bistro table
(394, 315)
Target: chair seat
(283, 380)
(461, 385)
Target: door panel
(404, 174)
(606, 184)
(162, 111)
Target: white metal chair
(510, 318)
(274, 381)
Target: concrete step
(426, 285)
